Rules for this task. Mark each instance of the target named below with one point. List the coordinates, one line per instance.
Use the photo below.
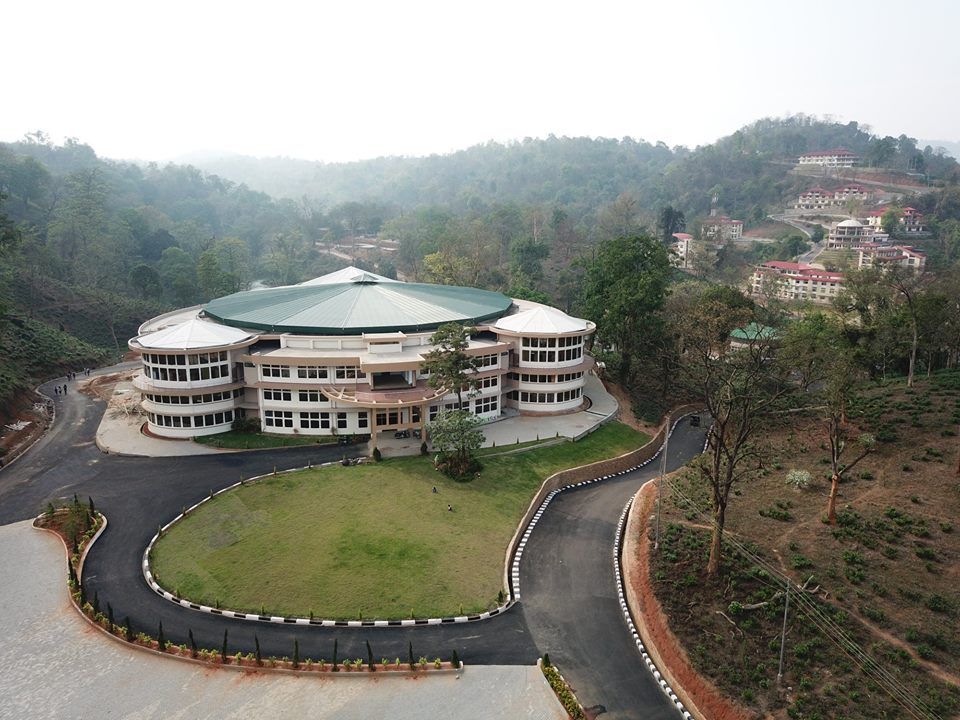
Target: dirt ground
(888, 569)
(30, 408)
(699, 695)
(626, 413)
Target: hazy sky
(345, 80)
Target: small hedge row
(563, 691)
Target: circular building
(343, 354)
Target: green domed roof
(356, 307)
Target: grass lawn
(370, 540)
(236, 440)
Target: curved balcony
(362, 394)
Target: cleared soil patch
(887, 572)
(371, 541)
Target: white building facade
(344, 355)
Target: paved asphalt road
(569, 606)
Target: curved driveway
(569, 605)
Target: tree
(909, 286)
(811, 347)
(890, 221)
(146, 280)
(670, 221)
(178, 273)
(457, 435)
(623, 292)
(526, 260)
(449, 365)
(838, 435)
(739, 386)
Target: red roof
(800, 271)
(782, 265)
(816, 189)
(683, 236)
(721, 220)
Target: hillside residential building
(681, 249)
(344, 353)
(817, 198)
(838, 157)
(720, 228)
(910, 221)
(877, 255)
(795, 281)
(850, 192)
(849, 233)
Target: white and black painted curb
(514, 566)
(279, 619)
(618, 571)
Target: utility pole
(663, 470)
(783, 632)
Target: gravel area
(57, 666)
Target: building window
(314, 396)
(363, 420)
(274, 371)
(311, 372)
(484, 405)
(347, 372)
(310, 421)
(341, 421)
(282, 395)
(278, 418)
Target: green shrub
(567, 698)
(938, 603)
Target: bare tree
(740, 383)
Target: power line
(868, 665)
(827, 626)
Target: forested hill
(89, 247)
(746, 169)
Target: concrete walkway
(119, 431)
(57, 666)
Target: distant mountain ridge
(746, 170)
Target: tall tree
(670, 221)
(739, 386)
(457, 435)
(449, 365)
(623, 292)
(838, 392)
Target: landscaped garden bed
(367, 542)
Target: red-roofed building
(838, 157)
(876, 255)
(850, 192)
(814, 199)
(911, 221)
(796, 281)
